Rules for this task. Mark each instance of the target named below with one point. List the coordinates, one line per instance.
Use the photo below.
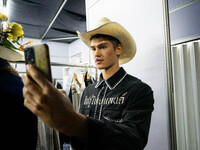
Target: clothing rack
(79, 66)
(63, 65)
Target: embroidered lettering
(113, 120)
(121, 100)
(92, 100)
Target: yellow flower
(16, 31)
(3, 17)
(11, 31)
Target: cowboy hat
(114, 29)
(10, 54)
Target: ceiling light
(4, 7)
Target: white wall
(59, 53)
(78, 53)
(144, 20)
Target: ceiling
(56, 20)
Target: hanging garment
(77, 90)
(70, 94)
(88, 79)
(57, 84)
(48, 138)
(76, 95)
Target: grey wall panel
(176, 3)
(185, 23)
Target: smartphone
(38, 56)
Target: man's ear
(119, 49)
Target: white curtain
(186, 81)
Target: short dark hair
(114, 41)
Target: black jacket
(119, 113)
(19, 125)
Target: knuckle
(24, 90)
(47, 91)
(38, 106)
(41, 99)
(25, 103)
(35, 111)
(35, 75)
(28, 82)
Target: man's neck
(107, 73)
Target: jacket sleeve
(131, 133)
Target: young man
(115, 112)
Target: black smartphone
(38, 56)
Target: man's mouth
(98, 60)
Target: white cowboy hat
(114, 29)
(9, 54)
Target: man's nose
(97, 53)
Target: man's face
(104, 54)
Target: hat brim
(11, 55)
(115, 30)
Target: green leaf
(8, 44)
(17, 40)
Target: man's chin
(99, 66)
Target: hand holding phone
(38, 56)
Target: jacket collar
(113, 81)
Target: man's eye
(102, 47)
(93, 49)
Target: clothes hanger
(75, 78)
(83, 79)
(88, 76)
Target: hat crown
(102, 22)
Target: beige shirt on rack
(77, 90)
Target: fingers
(27, 103)
(30, 88)
(31, 93)
(35, 109)
(37, 76)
